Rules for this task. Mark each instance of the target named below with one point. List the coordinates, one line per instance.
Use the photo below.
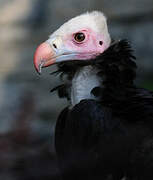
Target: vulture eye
(79, 37)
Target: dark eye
(79, 37)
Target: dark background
(28, 111)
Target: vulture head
(81, 38)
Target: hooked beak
(50, 52)
(44, 56)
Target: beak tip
(39, 72)
(43, 57)
(39, 68)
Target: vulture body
(107, 130)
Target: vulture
(106, 131)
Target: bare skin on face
(81, 38)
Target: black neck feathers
(116, 68)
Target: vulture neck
(83, 82)
(112, 73)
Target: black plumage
(111, 137)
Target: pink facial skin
(89, 47)
(93, 44)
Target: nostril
(55, 46)
(101, 43)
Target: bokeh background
(28, 110)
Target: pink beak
(44, 56)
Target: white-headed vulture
(106, 132)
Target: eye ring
(79, 37)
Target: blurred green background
(28, 111)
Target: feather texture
(111, 137)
